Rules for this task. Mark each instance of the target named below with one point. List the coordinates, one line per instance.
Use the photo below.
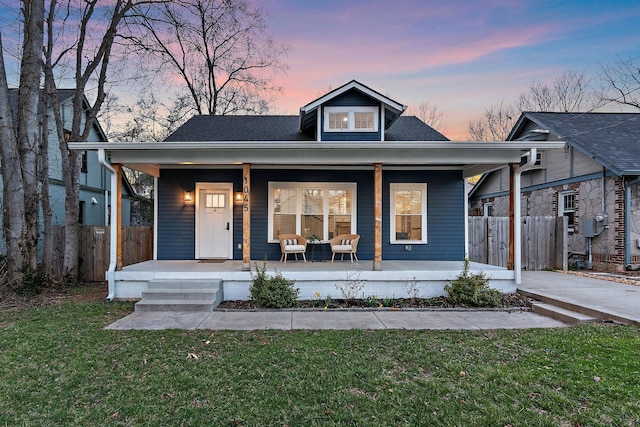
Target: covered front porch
(397, 279)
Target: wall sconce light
(238, 197)
(188, 198)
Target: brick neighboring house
(594, 181)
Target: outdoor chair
(292, 244)
(344, 244)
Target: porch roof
(472, 158)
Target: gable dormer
(352, 112)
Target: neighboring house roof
(63, 95)
(283, 128)
(611, 139)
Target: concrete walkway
(607, 299)
(618, 301)
(353, 319)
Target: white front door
(214, 220)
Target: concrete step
(186, 294)
(175, 305)
(184, 284)
(567, 305)
(567, 316)
(181, 295)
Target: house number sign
(245, 194)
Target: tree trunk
(28, 126)
(13, 192)
(47, 214)
(71, 166)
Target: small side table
(316, 255)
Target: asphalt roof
(612, 139)
(283, 128)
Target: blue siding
(445, 216)
(352, 98)
(177, 221)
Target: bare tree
(569, 92)
(20, 148)
(622, 83)
(218, 49)
(428, 113)
(89, 56)
(13, 191)
(28, 125)
(496, 123)
(150, 119)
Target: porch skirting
(397, 279)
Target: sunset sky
(461, 55)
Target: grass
(59, 367)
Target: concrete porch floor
(227, 266)
(428, 278)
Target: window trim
(299, 186)
(562, 209)
(488, 209)
(350, 111)
(393, 188)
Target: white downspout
(517, 217)
(467, 188)
(110, 274)
(627, 221)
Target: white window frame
(562, 209)
(350, 111)
(300, 186)
(488, 209)
(393, 188)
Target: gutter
(517, 218)
(627, 221)
(110, 274)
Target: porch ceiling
(474, 157)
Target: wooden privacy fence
(93, 249)
(544, 241)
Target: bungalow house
(593, 181)
(227, 186)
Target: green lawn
(59, 367)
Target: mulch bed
(512, 301)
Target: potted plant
(314, 238)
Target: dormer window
(350, 119)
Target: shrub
(472, 289)
(272, 292)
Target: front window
(311, 208)
(408, 213)
(351, 119)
